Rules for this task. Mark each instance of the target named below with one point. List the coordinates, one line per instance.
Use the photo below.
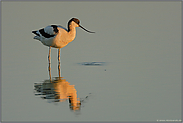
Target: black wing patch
(35, 32)
(55, 28)
(44, 34)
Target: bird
(57, 36)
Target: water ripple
(92, 63)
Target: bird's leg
(49, 63)
(59, 61)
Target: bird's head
(75, 22)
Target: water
(129, 70)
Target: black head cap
(73, 19)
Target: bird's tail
(36, 33)
(37, 37)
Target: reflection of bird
(57, 36)
(58, 90)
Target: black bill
(86, 29)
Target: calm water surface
(129, 70)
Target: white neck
(72, 31)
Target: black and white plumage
(47, 32)
(57, 36)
